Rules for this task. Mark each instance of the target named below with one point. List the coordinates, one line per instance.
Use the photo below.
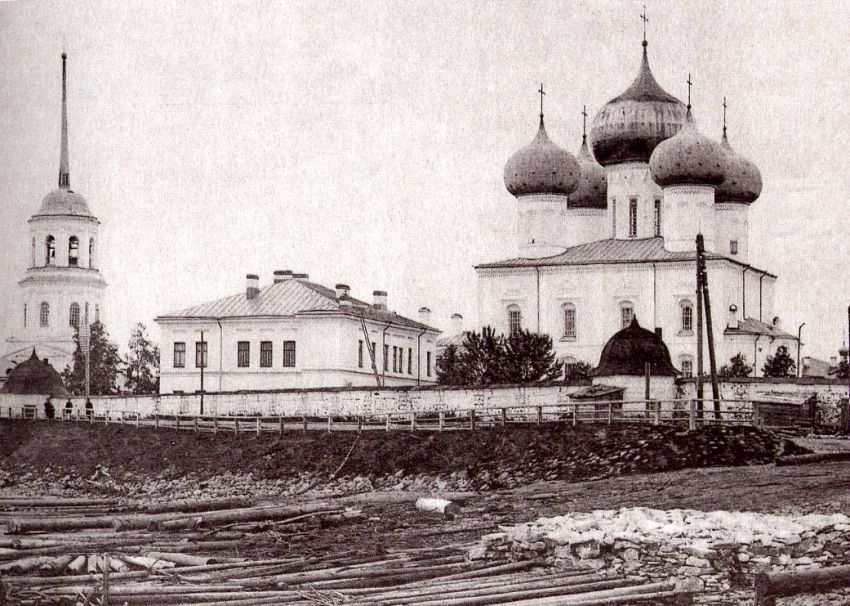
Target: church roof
(751, 326)
(612, 251)
(290, 297)
(629, 349)
(34, 376)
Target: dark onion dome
(743, 178)
(626, 352)
(592, 191)
(628, 127)
(541, 167)
(688, 158)
(64, 202)
(33, 376)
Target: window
(410, 361)
(51, 251)
(627, 313)
(91, 252)
(179, 354)
(73, 251)
(569, 321)
(74, 315)
(428, 366)
(360, 353)
(201, 354)
(372, 353)
(25, 315)
(658, 218)
(265, 354)
(289, 354)
(633, 218)
(614, 218)
(44, 316)
(243, 354)
(395, 358)
(514, 320)
(386, 358)
(733, 247)
(687, 316)
(32, 259)
(687, 364)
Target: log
(436, 505)
(78, 564)
(772, 585)
(622, 595)
(181, 559)
(818, 457)
(147, 562)
(196, 505)
(27, 564)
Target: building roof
(290, 298)
(611, 251)
(541, 167)
(751, 326)
(629, 349)
(34, 376)
(814, 367)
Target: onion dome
(33, 376)
(629, 126)
(592, 191)
(688, 158)
(743, 178)
(541, 167)
(628, 350)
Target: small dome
(34, 376)
(628, 350)
(743, 178)
(541, 167)
(629, 126)
(689, 158)
(592, 191)
(64, 202)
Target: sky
(364, 142)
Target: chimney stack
(457, 324)
(732, 320)
(252, 286)
(301, 276)
(380, 299)
(777, 322)
(281, 275)
(425, 315)
(342, 290)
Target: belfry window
(91, 253)
(51, 251)
(73, 251)
(44, 315)
(627, 313)
(633, 218)
(569, 321)
(514, 320)
(74, 315)
(658, 218)
(687, 316)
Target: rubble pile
(719, 550)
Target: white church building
(62, 285)
(610, 235)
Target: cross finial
(540, 90)
(645, 21)
(689, 92)
(584, 124)
(724, 117)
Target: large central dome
(629, 126)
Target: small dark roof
(751, 326)
(628, 350)
(599, 392)
(34, 376)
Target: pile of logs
(77, 552)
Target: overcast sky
(364, 142)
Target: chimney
(252, 285)
(777, 323)
(457, 324)
(342, 290)
(732, 320)
(281, 275)
(658, 332)
(833, 361)
(301, 276)
(380, 299)
(425, 315)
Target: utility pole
(700, 394)
(203, 363)
(799, 345)
(85, 345)
(715, 387)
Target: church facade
(610, 235)
(62, 286)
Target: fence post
(155, 421)
(304, 420)
(195, 424)
(177, 419)
(215, 424)
(539, 415)
(359, 423)
(610, 412)
(280, 425)
(388, 422)
(236, 424)
(441, 419)
(658, 412)
(412, 420)
(472, 419)
(138, 419)
(504, 416)
(692, 416)
(330, 423)
(258, 426)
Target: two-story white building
(293, 333)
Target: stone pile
(716, 551)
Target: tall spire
(64, 170)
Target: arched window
(686, 363)
(658, 218)
(50, 258)
(74, 315)
(569, 320)
(25, 315)
(687, 315)
(627, 313)
(514, 320)
(44, 316)
(73, 251)
(32, 261)
(633, 218)
(91, 253)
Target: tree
(840, 371)
(737, 367)
(578, 371)
(104, 365)
(781, 364)
(448, 367)
(529, 358)
(482, 361)
(142, 370)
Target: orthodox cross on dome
(645, 21)
(724, 117)
(540, 90)
(690, 84)
(584, 124)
